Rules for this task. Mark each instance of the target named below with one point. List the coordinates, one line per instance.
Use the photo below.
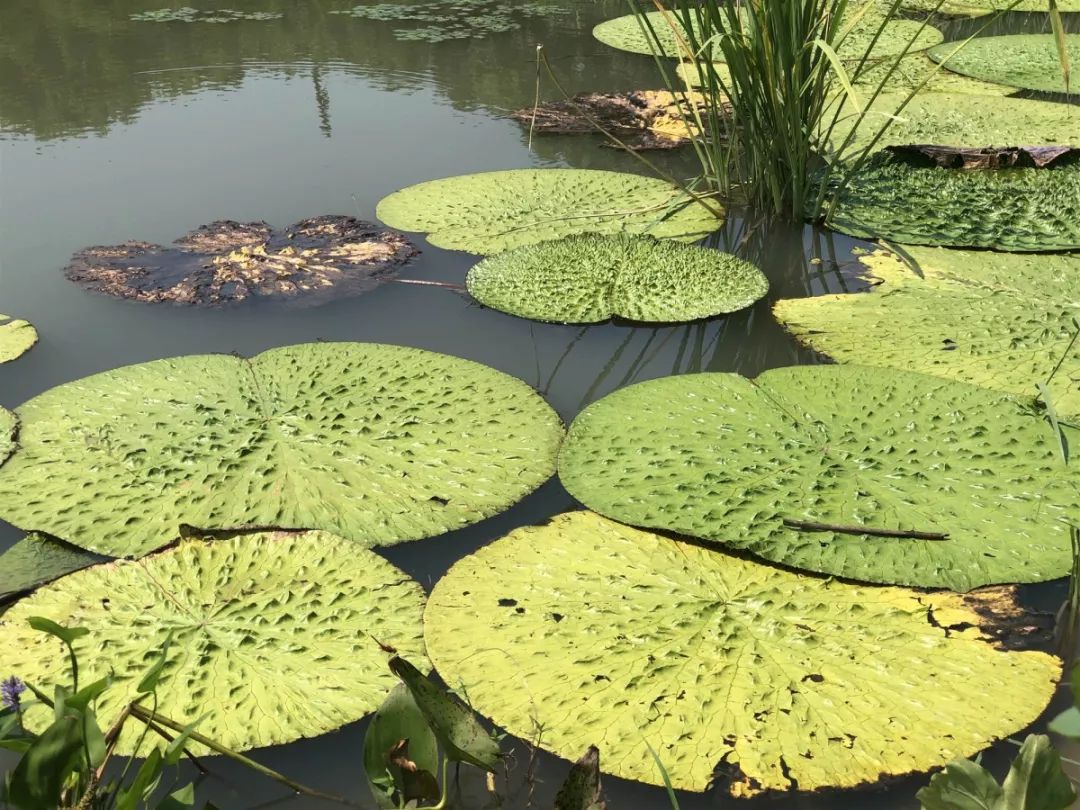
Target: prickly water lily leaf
(377, 443)
(918, 71)
(495, 211)
(591, 278)
(1000, 320)
(37, 559)
(271, 634)
(846, 470)
(1029, 61)
(226, 262)
(16, 338)
(774, 680)
(906, 198)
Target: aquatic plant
(453, 19)
(590, 278)
(979, 8)
(16, 338)
(1029, 61)
(491, 212)
(37, 559)
(380, 444)
(9, 427)
(901, 195)
(868, 473)
(401, 754)
(1002, 320)
(778, 681)
(186, 14)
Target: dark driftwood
(810, 526)
(990, 157)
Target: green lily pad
(865, 450)
(9, 428)
(1029, 61)
(778, 681)
(495, 211)
(36, 559)
(918, 71)
(271, 635)
(591, 278)
(979, 8)
(905, 198)
(16, 338)
(186, 14)
(379, 444)
(1001, 320)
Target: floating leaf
(1001, 320)
(376, 443)
(16, 338)
(724, 458)
(779, 681)
(271, 634)
(36, 559)
(454, 19)
(918, 71)
(186, 14)
(392, 772)
(1030, 61)
(905, 198)
(978, 8)
(591, 278)
(495, 211)
(227, 262)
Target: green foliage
(978, 8)
(379, 444)
(453, 19)
(187, 14)
(37, 559)
(832, 468)
(16, 338)
(591, 278)
(492, 212)
(590, 629)
(398, 774)
(904, 198)
(582, 790)
(1030, 61)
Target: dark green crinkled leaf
(1030, 61)
(36, 559)
(904, 199)
(492, 212)
(379, 444)
(582, 790)
(728, 459)
(591, 278)
(397, 719)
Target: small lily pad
(454, 19)
(16, 338)
(1030, 61)
(495, 211)
(227, 262)
(186, 14)
(37, 559)
(590, 278)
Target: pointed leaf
(1035, 780)
(962, 785)
(145, 782)
(40, 775)
(397, 719)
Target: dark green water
(113, 130)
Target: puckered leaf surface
(1030, 61)
(1000, 320)
(724, 458)
(593, 630)
(379, 444)
(271, 635)
(591, 278)
(491, 212)
(36, 559)
(16, 338)
(978, 8)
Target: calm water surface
(113, 130)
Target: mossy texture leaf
(591, 278)
(1023, 210)
(1029, 61)
(271, 634)
(593, 630)
(377, 443)
(1000, 320)
(16, 338)
(724, 458)
(918, 71)
(36, 559)
(979, 8)
(492, 212)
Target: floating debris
(453, 19)
(186, 14)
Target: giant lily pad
(846, 470)
(774, 680)
(271, 635)
(1029, 61)
(453, 19)
(591, 278)
(16, 338)
(903, 196)
(979, 8)
(376, 443)
(1002, 320)
(37, 559)
(495, 211)
(227, 262)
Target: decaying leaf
(989, 157)
(227, 262)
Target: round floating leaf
(1029, 61)
(724, 458)
(1001, 320)
(908, 199)
(36, 559)
(16, 338)
(591, 278)
(271, 635)
(978, 8)
(379, 444)
(595, 631)
(495, 211)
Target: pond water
(113, 130)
